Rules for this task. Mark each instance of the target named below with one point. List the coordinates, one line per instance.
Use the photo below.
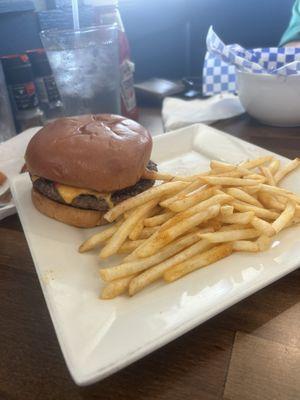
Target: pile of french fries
(186, 223)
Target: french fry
(152, 212)
(134, 255)
(235, 172)
(277, 202)
(174, 231)
(157, 271)
(226, 181)
(158, 219)
(226, 210)
(234, 227)
(257, 177)
(251, 189)
(269, 177)
(196, 184)
(270, 201)
(295, 220)
(256, 162)
(285, 217)
(155, 192)
(190, 178)
(259, 211)
(98, 238)
(154, 175)
(280, 192)
(273, 190)
(263, 226)
(219, 167)
(220, 190)
(219, 237)
(203, 229)
(115, 288)
(281, 173)
(148, 231)
(285, 199)
(222, 166)
(137, 230)
(130, 245)
(238, 218)
(261, 244)
(129, 268)
(119, 237)
(127, 213)
(240, 194)
(165, 203)
(192, 200)
(274, 166)
(264, 242)
(245, 245)
(203, 205)
(208, 257)
(214, 224)
(217, 199)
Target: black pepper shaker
(22, 91)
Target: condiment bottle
(22, 91)
(107, 12)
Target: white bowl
(272, 99)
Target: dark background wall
(167, 37)
(250, 23)
(18, 26)
(159, 32)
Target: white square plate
(99, 337)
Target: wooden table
(251, 351)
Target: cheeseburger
(82, 166)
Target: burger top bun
(100, 152)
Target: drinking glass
(85, 64)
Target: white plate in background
(11, 161)
(98, 337)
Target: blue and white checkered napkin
(221, 62)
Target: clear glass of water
(85, 64)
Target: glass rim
(95, 28)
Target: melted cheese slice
(69, 193)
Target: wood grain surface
(262, 369)
(249, 351)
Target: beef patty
(90, 202)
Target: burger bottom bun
(67, 214)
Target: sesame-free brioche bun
(99, 152)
